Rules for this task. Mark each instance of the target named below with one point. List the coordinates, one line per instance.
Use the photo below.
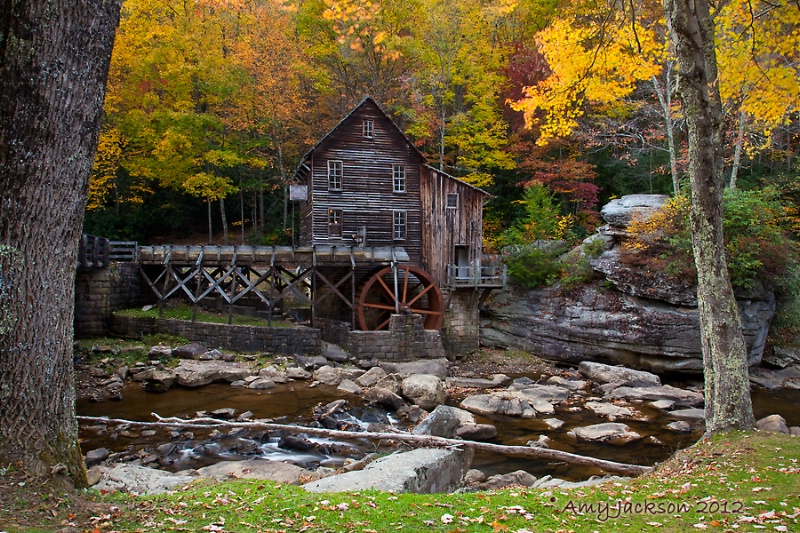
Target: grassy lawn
(185, 312)
(734, 482)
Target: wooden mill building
(367, 184)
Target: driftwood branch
(418, 441)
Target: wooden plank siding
(444, 227)
(367, 198)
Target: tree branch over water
(417, 441)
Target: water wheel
(413, 291)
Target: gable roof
(363, 102)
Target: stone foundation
(100, 292)
(254, 339)
(405, 340)
(462, 322)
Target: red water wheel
(407, 289)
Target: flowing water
(294, 403)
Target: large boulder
(506, 403)
(424, 390)
(189, 351)
(681, 397)
(157, 380)
(444, 421)
(255, 469)
(620, 212)
(603, 373)
(422, 471)
(333, 376)
(611, 432)
(190, 373)
(597, 323)
(140, 480)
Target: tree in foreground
(54, 57)
(727, 384)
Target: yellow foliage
(757, 53)
(588, 66)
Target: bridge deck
(269, 255)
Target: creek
(294, 403)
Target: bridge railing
(93, 252)
(124, 251)
(98, 252)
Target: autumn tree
(727, 384)
(54, 58)
(170, 76)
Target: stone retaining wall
(100, 292)
(282, 341)
(405, 340)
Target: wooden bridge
(364, 285)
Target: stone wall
(283, 341)
(406, 340)
(462, 322)
(100, 292)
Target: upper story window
(452, 200)
(399, 178)
(399, 225)
(335, 222)
(367, 128)
(334, 175)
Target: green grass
(732, 482)
(185, 312)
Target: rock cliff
(637, 318)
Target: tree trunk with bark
(727, 387)
(54, 58)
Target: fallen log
(418, 441)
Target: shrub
(535, 265)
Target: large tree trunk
(724, 351)
(54, 58)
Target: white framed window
(452, 200)
(399, 178)
(368, 128)
(334, 175)
(399, 225)
(335, 222)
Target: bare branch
(419, 441)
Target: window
(399, 178)
(334, 222)
(452, 200)
(399, 231)
(367, 129)
(335, 175)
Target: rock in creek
(422, 471)
(665, 392)
(425, 390)
(603, 373)
(501, 403)
(191, 373)
(612, 432)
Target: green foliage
(540, 221)
(536, 266)
(756, 237)
(785, 327)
